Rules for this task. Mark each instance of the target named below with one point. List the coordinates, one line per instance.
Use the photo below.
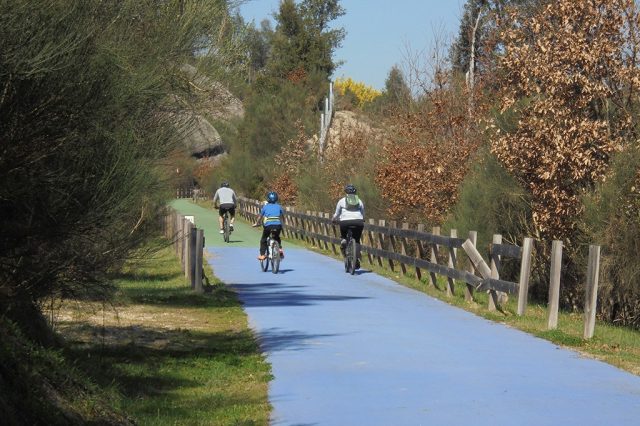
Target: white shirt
(225, 196)
(344, 214)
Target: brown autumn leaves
(567, 78)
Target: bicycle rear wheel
(351, 255)
(227, 230)
(264, 263)
(275, 257)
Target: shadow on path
(278, 294)
(277, 339)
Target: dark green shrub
(612, 219)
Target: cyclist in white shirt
(225, 200)
(350, 214)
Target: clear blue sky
(379, 31)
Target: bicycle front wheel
(275, 257)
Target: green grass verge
(174, 357)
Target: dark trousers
(356, 227)
(265, 234)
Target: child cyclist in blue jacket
(272, 217)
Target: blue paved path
(363, 350)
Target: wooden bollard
(525, 274)
(591, 293)
(554, 284)
(198, 263)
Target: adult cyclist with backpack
(350, 215)
(272, 217)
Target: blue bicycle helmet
(272, 197)
(350, 189)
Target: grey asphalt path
(363, 350)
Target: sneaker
(281, 254)
(222, 231)
(262, 257)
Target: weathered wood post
(394, 246)
(476, 258)
(325, 230)
(419, 252)
(381, 240)
(434, 257)
(591, 293)
(374, 241)
(187, 247)
(525, 275)
(554, 284)
(468, 288)
(495, 265)
(192, 257)
(199, 250)
(451, 263)
(404, 246)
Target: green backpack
(353, 202)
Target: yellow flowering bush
(364, 94)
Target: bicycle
(226, 227)
(273, 254)
(351, 254)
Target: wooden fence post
(198, 263)
(554, 284)
(187, 259)
(192, 256)
(434, 257)
(468, 288)
(495, 264)
(451, 263)
(476, 258)
(325, 230)
(373, 242)
(591, 293)
(394, 246)
(419, 252)
(185, 244)
(525, 274)
(381, 242)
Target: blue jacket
(271, 214)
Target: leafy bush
(491, 202)
(612, 219)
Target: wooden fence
(407, 251)
(194, 193)
(188, 243)
(419, 253)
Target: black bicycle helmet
(272, 197)
(350, 189)
(224, 184)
